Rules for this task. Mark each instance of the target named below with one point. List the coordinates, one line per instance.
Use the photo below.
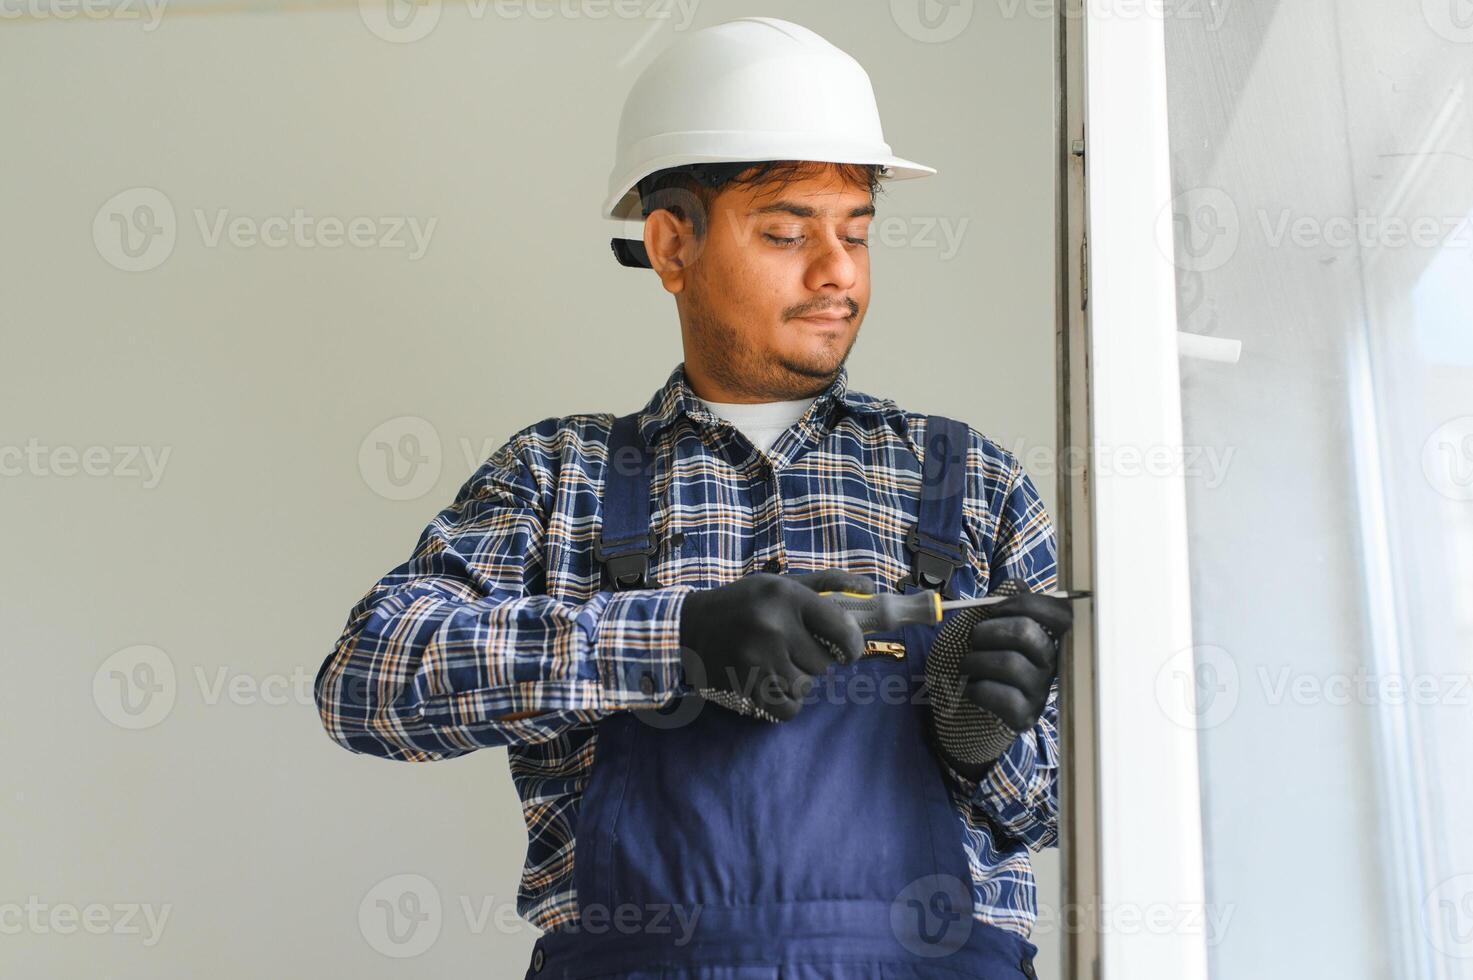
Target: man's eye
(858, 240)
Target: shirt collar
(676, 398)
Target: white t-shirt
(761, 422)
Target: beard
(729, 356)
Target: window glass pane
(1322, 158)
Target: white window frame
(1130, 801)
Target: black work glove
(754, 646)
(989, 671)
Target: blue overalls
(715, 846)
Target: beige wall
(220, 399)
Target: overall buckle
(931, 567)
(626, 562)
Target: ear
(671, 245)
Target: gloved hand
(989, 671)
(754, 646)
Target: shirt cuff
(1018, 796)
(638, 648)
(968, 786)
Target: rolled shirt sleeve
(459, 635)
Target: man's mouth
(825, 322)
(828, 316)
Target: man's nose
(833, 266)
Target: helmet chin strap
(630, 253)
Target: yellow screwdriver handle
(889, 611)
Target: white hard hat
(749, 90)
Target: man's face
(771, 299)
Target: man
(718, 769)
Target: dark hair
(669, 187)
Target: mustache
(848, 304)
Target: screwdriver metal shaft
(889, 611)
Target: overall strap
(935, 540)
(626, 541)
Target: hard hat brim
(622, 203)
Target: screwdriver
(887, 610)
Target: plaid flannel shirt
(500, 609)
